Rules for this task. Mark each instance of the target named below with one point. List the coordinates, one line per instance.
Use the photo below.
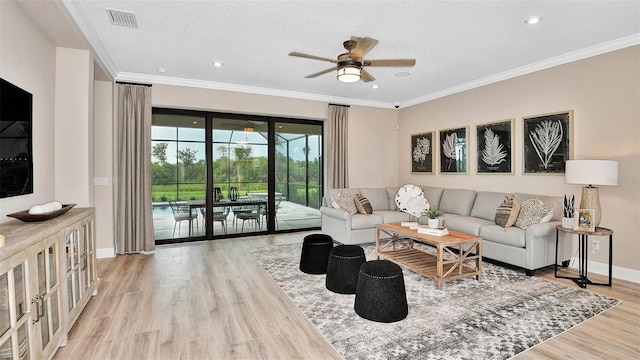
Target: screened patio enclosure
(223, 175)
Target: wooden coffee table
(395, 242)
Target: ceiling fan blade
(333, 68)
(307, 56)
(390, 62)
(364, 45)
(366, 76)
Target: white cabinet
(47, 272)
(80, 268)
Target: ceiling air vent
(122, 18)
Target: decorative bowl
(26, 217)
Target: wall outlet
(595, 245)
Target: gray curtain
(134, 219)
(338, 174)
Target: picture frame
(453, 149)
(584, 220)
(547, 143)
(423, 153)
(495, 147)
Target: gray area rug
(498, 317)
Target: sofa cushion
(507, 212)
(345, 201)
(361, 221)
(363, 204)
(333, 193)
(391, 196)
(467, 224)
(557, 200)
(457, 201)
(486, 203)
(377, 197)
(532, 211)
(390, 216)
(433, 195)
(512, 236)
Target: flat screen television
(16, 163)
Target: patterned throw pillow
(507, 212)
(363, 204)
(346, 203)
(532, 211)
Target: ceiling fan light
(349, 73)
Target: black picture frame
(453, 148)
(547, 143)
(495, 147)
(422, 153)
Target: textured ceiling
(457, 45)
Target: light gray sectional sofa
(464, 210)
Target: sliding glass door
(224, 175)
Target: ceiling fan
(350, 65)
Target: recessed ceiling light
(374, 86)
(162, 70)
(402, 74)
(217, 64)
(533, 20)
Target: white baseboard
(603, 269)
(104, 253)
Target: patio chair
(265, 212)
(244, 216)
(220, 214)
(182, 213)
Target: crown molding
(77, 14)
(154, 79)
(581, 54)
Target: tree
(242, 154)
(159, 151)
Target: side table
(583, 245)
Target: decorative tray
(25, 216)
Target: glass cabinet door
(13, 308)
(47, 316)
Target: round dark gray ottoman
(315, 253)
(380, 293)
(343, 268)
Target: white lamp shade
(591, 172)
(349, 73)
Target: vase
(433, 223)
(233, 193)
(567, 223)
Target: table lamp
(589, 173)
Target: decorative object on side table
(567, 212)
(433, 214)
(584, 220)
(592, 172)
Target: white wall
(29, 61)
(603, 91)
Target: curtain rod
(130, 83)
(339, 105)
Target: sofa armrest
(335, 213)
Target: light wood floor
(211, 300)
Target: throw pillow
(507, 212)
(532, 211)
(346, 203)
(363, 204)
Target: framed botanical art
(495, 147)
(422, 153)
(453, 151)
(584, 220)
(547, 143)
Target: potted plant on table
(433, 214)
(567, 212)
